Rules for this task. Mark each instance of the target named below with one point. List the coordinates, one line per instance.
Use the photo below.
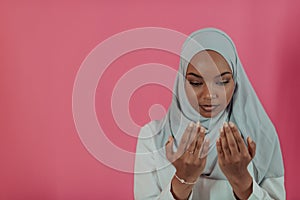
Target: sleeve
(270, 188)
(272, 185)
(146, 183)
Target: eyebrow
(198, 76)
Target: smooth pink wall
(42, 45)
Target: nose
(209, 92)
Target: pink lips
(208, 108)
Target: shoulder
(151, 135)
(151, 129)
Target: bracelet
(184, 182)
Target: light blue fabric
(245, 109)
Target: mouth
(208, 108)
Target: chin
(209, 115)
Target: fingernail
(250, 140)
(221, 130)
(198, 124)
(225, 124)
(206, 140)
(202, 130)
(191, 124)
(231, 124)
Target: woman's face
(209, 83)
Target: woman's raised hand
(234, 158)
(190, 158)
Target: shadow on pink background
(42, 45)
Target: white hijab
(245, 109)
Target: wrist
(240, 180)
(186, 182)
(179, 190)
(242, 188)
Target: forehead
(208, 64)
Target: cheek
(225, 95)
(229, 93)
(191, 95)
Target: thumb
(251, 147)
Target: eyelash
(223, 82)
(196, 84)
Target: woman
(216, 141)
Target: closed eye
(224, 82)
(195, 84)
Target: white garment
(155, 182)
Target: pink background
(42, 45)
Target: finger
(194, 137)
(230, 140)
(185, 138)
(224, 143)
(204, 149)
(238, 137)
(200, 139)
(251, 147)
(219, 149)
(169, 149)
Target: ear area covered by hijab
(245, 109)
